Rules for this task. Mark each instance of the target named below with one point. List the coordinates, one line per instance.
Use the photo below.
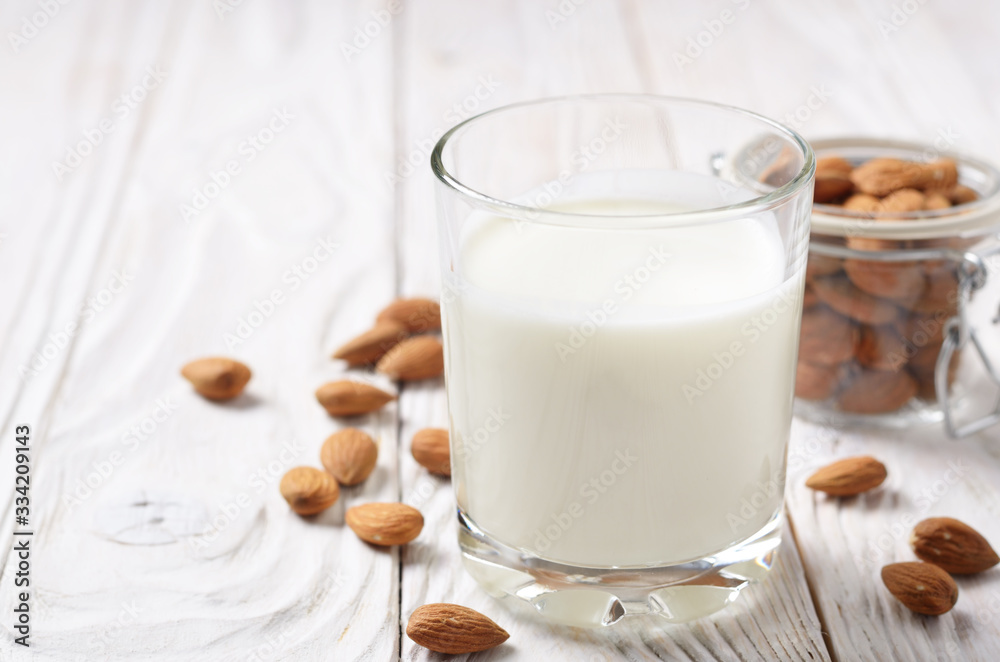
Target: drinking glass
(622, 290)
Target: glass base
(594, 597)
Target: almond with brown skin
(308, 490)
(826, 338)
(385, 524)
(418, 315)
(863, 202)
(430, 448)
(831, 188)
(349, 455)
(960, 195)
(880, 177)
(877, 392)
(923, 588)
(841, 295)
(833, 165)
(372, 345)
(939, 174)
(816, 382)
(217, 378)
(903, 200)
(848, 477)
(822, 265)
(953, 546)
(881, 348)
(347, 398)
(900, 281)
(453, 629)
(416, 358)
(936, 200)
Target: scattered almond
(372, 345)
(453, 629)
(921, 587)
(349, 455)
(347, 398)
(385, 524)
(430, 448)
(849, 476)
(217, 378)
(417, 315)
(953, 546)
(416, 358)
(308, 490)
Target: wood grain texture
(181, 548)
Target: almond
(940, 297)
(939, 174)
(417, 315)
(816, 382)
(308, 490)
(841, 295)
(385, 524)
(830, 188)
(833, 165)
(921, 587)
(900, 281)
(881, 348)
(953, 546)
(937, 200)
(960, 195)
(882, 176)
(822, 265)
(217, 378)
(430, 449)
(415, 358)
(347, 398)
(453, 629)
(826, 338)
(349, 455)
(903, 200)
(877, 392)
(863, 202)
(849, 476)
(372, 345)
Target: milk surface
(620, 398)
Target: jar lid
(971, 219)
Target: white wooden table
(235, 141)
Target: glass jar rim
(541, 215)
(978, 217)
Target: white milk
(620, 398)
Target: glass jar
(896, 328)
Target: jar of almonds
(896, 326)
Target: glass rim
(534, 214)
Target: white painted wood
(267, 585)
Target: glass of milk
(622, 287)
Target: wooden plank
(182, 535)
(441, 60)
